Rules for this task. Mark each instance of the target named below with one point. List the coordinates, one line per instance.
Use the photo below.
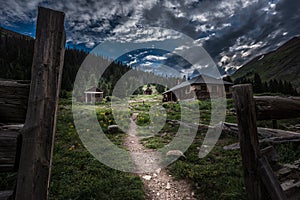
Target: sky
(231, 31)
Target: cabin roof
(201, 79)
(93, 90)
(148, 89)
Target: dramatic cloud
(232, 31)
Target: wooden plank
(13, 101)
(270, 181)
(9, 150)
(274, 107)
(272, 156)
(39, 128)
(5, 195)
(262, 132)
(246, 117)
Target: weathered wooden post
(260, 180)
(246, 117)
(40, 125)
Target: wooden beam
(40, 126)
(9, 150)
(13, 101)
(270, 181)
(245, 109)
(274, 107)
(6, 195)
(263, 132)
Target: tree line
(271, 86)
(16, 55)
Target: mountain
(281, 64)
(16, 53)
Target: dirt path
(158, 184)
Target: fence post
(40, 125)
(246, 117)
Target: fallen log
(275, 107)
(263, 132)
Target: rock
(163, 135)
(168, 186)
(158, 170)
(176, 153)
(113, 129)
(147, 177)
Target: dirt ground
(158, 184)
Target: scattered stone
(113, 129)
(168, 186)
(159, 184)
(176, 153)
(147, 177)
(163, 135)
(158, 170)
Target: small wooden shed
(148, 91)
(93, 94)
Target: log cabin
(200, 87)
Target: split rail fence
(261, 181)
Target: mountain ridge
(280, 64)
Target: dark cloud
(232, 31)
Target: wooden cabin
(93, 94)
(148, 91)
(200, 87)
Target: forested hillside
(16, 53)
(279, 68)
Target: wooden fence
(260, 180)
(28, 149)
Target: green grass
(78, 175)
(217, 176)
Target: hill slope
(281, 64)
(16, 53)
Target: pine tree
(257, 84)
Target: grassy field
(76, 174)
